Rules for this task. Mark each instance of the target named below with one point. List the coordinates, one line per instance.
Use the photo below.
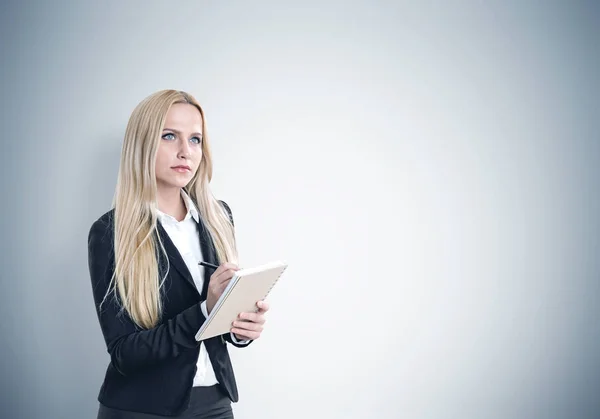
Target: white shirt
(184, 235)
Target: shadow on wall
(77, 350)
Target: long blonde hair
(136, 280)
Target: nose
(184, 150)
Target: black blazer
(152, 371)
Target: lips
(182, 168)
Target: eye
(168, 136)
(196, 140)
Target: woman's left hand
(249, 326)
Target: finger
(248, 325)
(247, 329)
(223, 267)
(225, 275)
(217, 274)
(219, 283)
(250, 330)
(229, 265)
(252, 317)
(263, 306)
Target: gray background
(429, 170)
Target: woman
(150, 292)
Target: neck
(171, 202)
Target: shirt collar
(192, 211)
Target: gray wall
(429, 171)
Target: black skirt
(205, 403)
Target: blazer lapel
(175, 258)
(208, 253)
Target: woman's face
(180, 148)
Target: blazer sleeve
(129, 346)
(229, 336)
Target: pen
(208, 265)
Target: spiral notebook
(245, 289)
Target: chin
(174, 183)
(182, 184)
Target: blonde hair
(136, 278)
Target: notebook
(245, 289)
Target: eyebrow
(179, 132)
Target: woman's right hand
(218, 282)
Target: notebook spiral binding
(275, 282)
